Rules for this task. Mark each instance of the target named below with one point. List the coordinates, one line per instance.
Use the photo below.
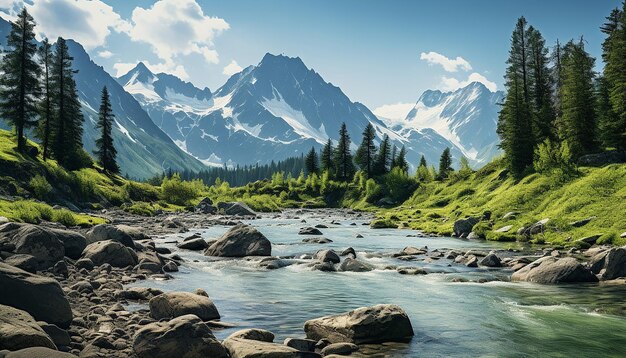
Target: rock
(510, 215)
(591, 240)
(327, 256)
(321, 226)
(339, 348)
(248, 348)
(185, 336)
(205, 206)
(110, 252)
(236, 209)
(59, 336)
(254, 334)
(614, 264)
(349, 251)
(19, 330)
(325, 267)
(172, 222)
(86, 264)
(504, 229)
(138, 293)
(411, 271)
(583, 222)
(490, 260)
(23, 261)
(240, 241)
(376, 324)
(133, 232)
(412, 251)
(170, 266)
(60, 269)
(550, 269)
(41, 297)
(601, 159)
(193, 244)
(539, 227)
(355, 265)
(317, 240)
(40, 242)
(175, 304)
(623, 235)
(273, 263)
(3, 220)
(106, 232)
(300, 344)
(464, 226)
(472, 261)
(38, 352)
(309, 231)
(473, 236)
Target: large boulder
(354, 265)
(110, 252)
(175, 304)
(104, 232)
(38, 352)
(551, 269)
(23, 261)
(236, 208)
(249, 348)
(41, 297)
(193, 244)
(240, 241)
(309, 231)
(614, 264)
(463, 227)
(376, 324)
(185, 336)
(136, 233)
(34, 240)
(327, 256)
(19, 330)
(205, 206)
(254, 334)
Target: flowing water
(467, 319)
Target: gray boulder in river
(184, 336)
(354, 265)
(463, 227)
(40, 296)
(327, 256)
(110, 252)
(551, 269)
(375, 324)
(236, 209)
(240, 241)
(175, 304)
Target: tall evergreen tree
(366, 153)
(106, 151)
(613, 119)
(557, 75)
(383, 160)
(343, 158)
(445, 164)
(514, 119)
(423, 162)
(326, 157)
(46, 112)
(578, 124)
(311, 162)
(541, 87)
(400, 161)
(19, 83)
(68, 126)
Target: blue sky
(378, 52)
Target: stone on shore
(110, 252)
(25, 262)
(104, 232)
(175, 304)
(254, 334)
(614, 264)
(248, 348)
(184, 336)
(40, 242)
(463, 227)
(376, 324)
(491, 260)
(240, 241)
(41, 297)
(19, 330)
(339, 348)
(551, 269)
(236, 209)
(38, 352)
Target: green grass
(29, 211)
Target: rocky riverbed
(104, 291)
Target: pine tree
(68, 127)
(311, 162)
(383, 160)
(19, 83)
(445, 164)
(613, 84)
(106, 151)
(557, 75)
(514, 119)
(343, 158)
(45, 106)
(400, 161)
(541, 87)
(423, 162)
(326, 157)
(366, 153)
(578, 124)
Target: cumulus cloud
(177, 27)
(448, 64)
(451, 84)
(394, 113)
(105, 54)
(87, 21)
(232, 68)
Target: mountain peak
(271, 60)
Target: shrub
(372, 190)
(141, 191)
(64, 217)
(399, 185)
(554, 159)
(180, 192)
(140, 208)
(40, 187)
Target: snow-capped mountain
(270, 111)
(466, 117)
(143, 148)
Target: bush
(40, 187)
(554, 159)
(181, 192)
(64, 217)
(372, 190)
(141, 191)
(80, 160)
(399, 186)
(140, 208)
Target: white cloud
(87, 21)
(449, 65)
(451, 84)
(105, 54)
(122, 68)
(177, 27)
(394, 113)
(232, 68)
